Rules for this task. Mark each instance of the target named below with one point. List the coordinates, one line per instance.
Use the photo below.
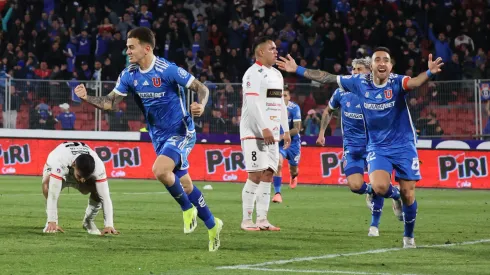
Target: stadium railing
(458, 107)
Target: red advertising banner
(221, 162)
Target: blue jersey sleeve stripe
(330, 105)
(118, 92)
(189, 82)
(339, 82)
(297, 119)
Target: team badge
(182, 73)
(348, 104)
(135, 82)
(157, 81)
(388, 94)
(366, 94)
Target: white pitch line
(322, 271)
(330, 256)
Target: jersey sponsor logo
(273, 104)
(248, 84)
(157, 82)
(274, 93)
(230, 160)
(463, 167)
(379, 107)
(274, 118)
(121, 158)
(182, 73)
(378, 97)
(146, 83)
(16, 154)
(151, 95)
(353, 115)
(135, 82)
(388, 94)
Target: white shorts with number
(260, 157)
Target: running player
(293, 153)
(156, 85)
(74, 164)
(390, 132)
(354, 141)
(263, 114)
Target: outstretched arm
(434, 68)
(326, 117)
(108, 102)
(289, 65)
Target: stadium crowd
(85, 40)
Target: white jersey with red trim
(262, 102)
(62, 157)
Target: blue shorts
(177, 148)
(292, 154)
(354, 160)
(405, 163)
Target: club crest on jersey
(157, 81)
(135, 82)
(388, 94)
(366, 94)
(182, 73)
(348, 104)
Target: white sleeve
(251, 93)
(54, 191)
(103, 191)
(284, 117)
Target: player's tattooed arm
(202, 91)
(326, 117)
(109, 102)
(296, 128)
(320, 76)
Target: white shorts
(260, 157)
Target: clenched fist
(197, 109)
(81, 92)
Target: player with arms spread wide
(263, 114)
(354, 141)
(390, 132)
(293, 153)
(156, 85)
(74, 164)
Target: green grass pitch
(324, 230)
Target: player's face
(286, 96)
(381, 65)
(360, 69)
(76, 173)
(269, 53)
(136, 50)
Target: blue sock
(277, 184)
(203, 211)
(392, 193)
(179, 195)
(409, 215)
(377, 209)
(365, 189)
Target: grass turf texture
(315, 221)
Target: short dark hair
(260, 41)
(382, 49)
(143, 34)
(85, 164)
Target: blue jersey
(387, 119)
(352, 125)
(294, 115)
(159, 93)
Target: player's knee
(255, 177)
(279, 169)
(355, 184)
(407, 193)
(267, 176)
(164, 176)
(380, 187)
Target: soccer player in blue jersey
(156, 84)
(354, 142)
(293, 153)
(390, 132)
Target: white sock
(263, 200)
(92, 210)
(248, 199)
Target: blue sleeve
(334, 102)
(349, 83)
(401, 81)
(175, 74)
(432, 37)
(123, 82)
(296, 114)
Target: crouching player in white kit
(74, 164)
(263, 114)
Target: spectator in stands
(486, 131)
(41, 117)
(443, 50)
(118, 121)
(429, 126)
(217, 124)
(66, 117)
(312, 123)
